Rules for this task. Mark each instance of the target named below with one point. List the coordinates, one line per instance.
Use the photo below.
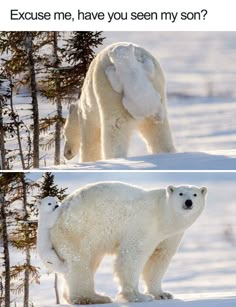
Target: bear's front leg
(157, 265)
(128, 267)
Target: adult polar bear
(100, 125)
(142, 228)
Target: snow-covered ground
(203, 300)
(200, 70)
(212, 160)
(206, 260)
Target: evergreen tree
(57, 75)
(22, 233)
(79, 51)
(49, 188)
(4, 95)
(11, 126)
(5, 295)
(31, 61)
(52, 87)
(58, 99)
(21, 64)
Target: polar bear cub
(142, 228)
(49, 211)
(134, 79)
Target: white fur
(142, 228)
(48, 215)
(72, 129)
(128, 76)
(100, 127)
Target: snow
(200, 69)
(225, 299)
(202, 273)
(214, 160)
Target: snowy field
(206, 260)
(212, 160)
(200, 70)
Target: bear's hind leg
(116, 137)
(90, 135)
(80, 284)
(157, 265)
(158, 136)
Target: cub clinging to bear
(128, 75)
(49, 211)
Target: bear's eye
(180, 194)
(49, 204)
(195, 195)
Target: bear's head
(48, 205)
(121, 53)
(187, 201)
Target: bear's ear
(170, 189)
(203, 190)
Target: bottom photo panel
(118, 237)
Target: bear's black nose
(188, 203)
(56, 206)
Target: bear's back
(94, 194)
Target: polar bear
(100, 125)
(143, 228)
(49, 211)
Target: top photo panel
(118, 100)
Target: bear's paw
(163, 296)
(134, 296)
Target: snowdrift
(211, 160)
